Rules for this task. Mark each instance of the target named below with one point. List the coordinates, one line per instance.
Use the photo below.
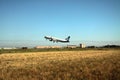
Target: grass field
(61, 65)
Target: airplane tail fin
(67, 38)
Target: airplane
(57, 40)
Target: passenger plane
(57, 40)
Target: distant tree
(24, 47)
(111, 46)
(91, 47)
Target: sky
(26, 22)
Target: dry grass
(61, 65)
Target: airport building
(82, 46)
(41, 47)
(71, 46)
(8, 48)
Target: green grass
(51, 49)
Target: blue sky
(83, 20)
